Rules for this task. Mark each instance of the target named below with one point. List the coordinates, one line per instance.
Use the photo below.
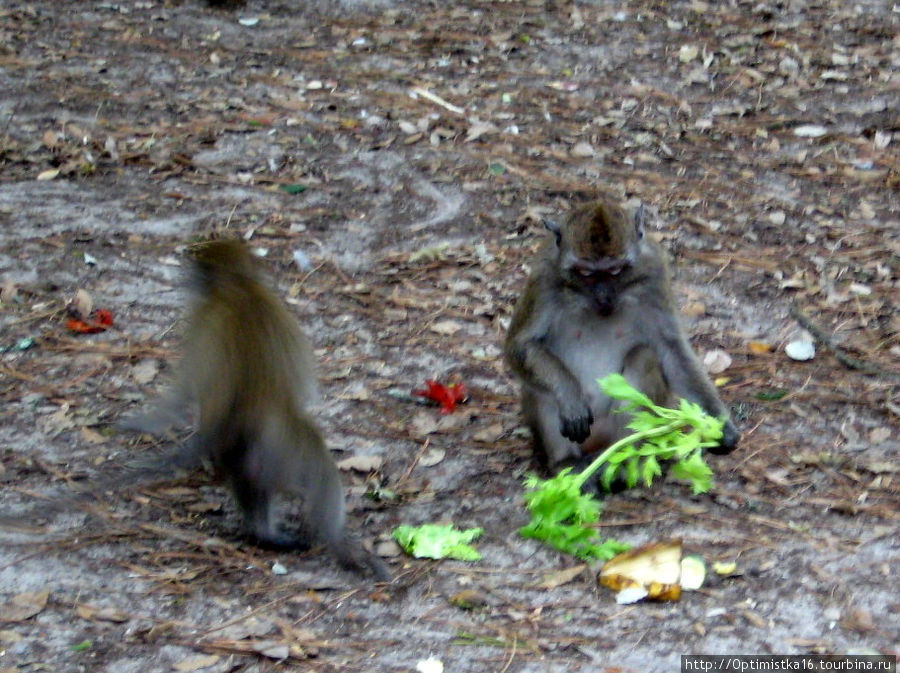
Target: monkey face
(600, 281)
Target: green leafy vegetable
(563, 516)
(435, 541)
(293, 189)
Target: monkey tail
(351, 555)
(327, 511)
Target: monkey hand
(730, 438)
(575, 422)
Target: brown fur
(248, 367)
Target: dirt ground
(393, 160)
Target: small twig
(512, 655)
(424, 93)
(412, 465)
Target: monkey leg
(255, 504)
(541, 415)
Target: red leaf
(103, 319)
(82, 327)
(446, 396)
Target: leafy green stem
(582, 477)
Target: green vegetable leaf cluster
(436, 541)
(659, 434)
(563, 516)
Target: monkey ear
(639, 221)
(553, 225)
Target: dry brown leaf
(446, 327)
(92, 436)
(489, 434)
(86, 611)
(9, 291)
(759, 347)
(469, 599)
(555, 579)
(24, 606)
(432, 457)
(694, 309)
(880, 435)
(145, 371)
(389, 549)
(197, 663)
(422, 424)
(361, 463)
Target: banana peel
(657, 571)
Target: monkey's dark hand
(575, 422)
(730, 438)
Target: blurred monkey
(249, 370)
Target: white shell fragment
(800, 350)
(716, 361)
(810, 131)
(631, 595)
(430, 665)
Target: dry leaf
(86, 611)
(432, 457)
(423, 424)
(489, 434)
(82, 304)
(57, 422)
(9, 291)
(582, 151)
(556, 579)
(196, 663)
(145, 371)
(246, 628)
(479, 129)
(24, 606)
(687, 53)
(759, 348)
(468, 599)
(694, 309)
(92, 436)
(273, 649)
(446, 327)
(880, 435)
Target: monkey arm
(539, 367)
(686, 377)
